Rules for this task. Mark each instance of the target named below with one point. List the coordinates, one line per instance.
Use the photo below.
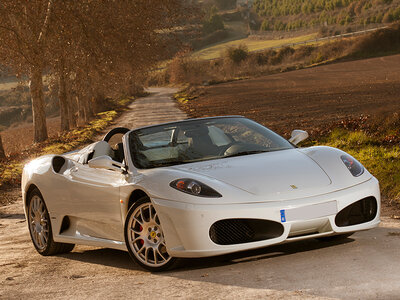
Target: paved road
(365, 266)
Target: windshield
(200, 140)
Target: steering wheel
(240, 147)
(225, 148)
(112, 132)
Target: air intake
(239, 231)
(359, 212)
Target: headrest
(198, 131)
(102, 148)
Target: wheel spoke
(155, 256)
(146, 254)
(134, 230)
(142, 214)
(151, 212)
(141, 249)
(42, 241)
(159, 253)
(37, 238)
(137, 220)
(137, 239)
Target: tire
(333, 238)
(39, 226)
(144, 237)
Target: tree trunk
(72, 107)
(62, 95)
(38, 107)
(2, 153)
(87, 109)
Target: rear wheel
(335, 237)
(40, 227)
(144, 237)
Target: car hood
(273, 175)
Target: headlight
(355, 168)
(194, 187)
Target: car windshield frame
(136, 146)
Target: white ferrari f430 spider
(195, 188)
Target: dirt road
(365, 266)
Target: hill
(295, 14)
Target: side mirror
(298, 136)
(105, 162)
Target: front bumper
(186, 226)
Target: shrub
(281, 55)
(213, 23)
(265, 25)
(237, 54)
(388, 17)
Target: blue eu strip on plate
(283, 217)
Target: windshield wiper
(245, 153)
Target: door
(95, 203)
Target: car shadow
(121, 259)
(12, 216)
(104, 256)
(259, 254)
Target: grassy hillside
(252, 45)
(295, 14)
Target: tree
(104, 48)
(2, 152)
(85, 48)
(23, 39)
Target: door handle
(74, 169)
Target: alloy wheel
(38, 222)
(146, 238)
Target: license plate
(309, 212)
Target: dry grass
(252, 44)
(21, 137)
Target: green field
(252, 44)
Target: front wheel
(144, 237)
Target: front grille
(239, 231)
(362, 211)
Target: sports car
(195, 188)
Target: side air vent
(57, 163)
(65, 224)
(359, 212)
(239, 231)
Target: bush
(212, 24)
(185, 69)
(237, 54)
(388, 17)
(281, 55)
(265, 25)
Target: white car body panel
(255, 186)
